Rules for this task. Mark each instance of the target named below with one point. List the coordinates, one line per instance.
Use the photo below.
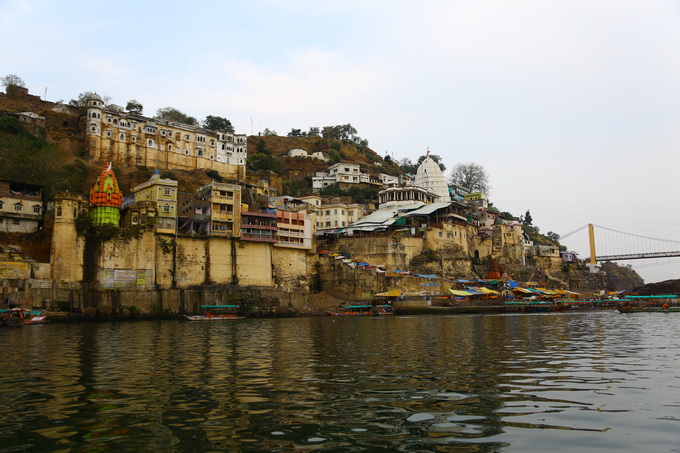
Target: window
(134, 139)
(122, 137)
(59, 211)
(18, 206)
(108, 134)
(149, 142)
(166, 208)
(199, 152)
(36, 209)
(169, 146)
(166, 191)
(1, 204)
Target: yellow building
(162, 192)
(224, 208)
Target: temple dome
(431, 178)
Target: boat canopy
(668, 296)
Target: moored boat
(362, 310)
(215, 313)
(651, 304)
(17, 317)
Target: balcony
(258, 237)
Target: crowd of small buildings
(407, 204)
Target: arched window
(59, 211)
(36, 209)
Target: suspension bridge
(618, 245)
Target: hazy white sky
(572, 106)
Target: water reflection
(466, 383)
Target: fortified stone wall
(292, 269)
(360, 284)
(393, 251)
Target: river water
(591, 381)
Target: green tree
(81, 101)
(134, 106)
(268, 131)
(260, 161)
(173, 114)
(218, 123)
(12, 80)
(470, 176)
(261, 147)
(407, 166)
(296, 133)
(313, 132)
(527, 219)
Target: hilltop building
(127, 138)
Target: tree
(554, 236)
(296, 133)
(407, 166)
(313, 132)
(173, 114)
(528, 219)
(435, 158)
(470, 176)
(134, 106)
(81, 101)
(268, 131)
(12, 80)
(217, 123)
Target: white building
(431, 178)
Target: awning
(392, 293)
(458, 292)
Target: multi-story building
(163, 193)
(21, 207)
(338, 215)
(259, 226)
(224, 208)
(127, 138)
(294, 229)
(193, 215)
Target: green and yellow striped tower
(106, 199)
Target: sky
(571, 106)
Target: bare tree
(470, 176)
(12, 80)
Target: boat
(362, 310)
(35, 317)
(532, 306)
(650, 304)
(17, 317)
(215, 313)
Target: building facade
(224, 208)
(21, 207)
(127, 138)
(163, 193)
